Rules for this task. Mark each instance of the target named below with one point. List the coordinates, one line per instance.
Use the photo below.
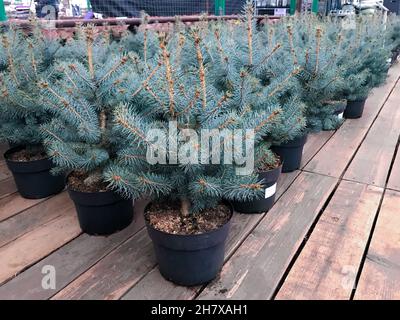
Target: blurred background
(64, 9)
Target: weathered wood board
(69, 262)
(329, 262)
(34, 245)
(372, 162)
(380, 277)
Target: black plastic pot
(189, 260)
(263, 205)
(354, 109)
(102, 213)
(33, 178)
(291, 153)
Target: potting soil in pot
(25, 155)
(167, 218)
(76, 182)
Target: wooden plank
(7, 187)
(70, 261)
(372, 162)
(111, 277)
(380, 277)
(315, 141)
(35, 245)
(255, 269)
(14, 204)
(154, 286)
(328, 264)
(4, 172)
(394, 179)
(34, 217)
(334, 157)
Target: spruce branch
(283, 83)
(169, 76)
(249, 28)
(73, 67)
(271, 33)
(89, 32)
(68, 76)
(64, 102)
(202, 74)
(123, 121)
(271, 117)
(220, 49)
(292, 49)
(11, 66)
(145, 31)
(152, 93)
(270, 54)
(146, 81)
(318, 36)
(191, 103)
(227, 122)
(33, 60)
(307, 57)
(181, 43)
(134, 130)
(52, 134)
(115, 68)
(220, 102)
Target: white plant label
(340, 116)
(270, 191)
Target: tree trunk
(185, 207)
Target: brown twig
(202, 74)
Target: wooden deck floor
(334, 232)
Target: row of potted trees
(200, 120)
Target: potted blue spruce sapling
(181, 152)
(354, 72)
(263, 56)
(226, 50)
(25, 59)
(81, 96)
(279, 72)
(370, 52)
(320, 76)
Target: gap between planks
(394, 178)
